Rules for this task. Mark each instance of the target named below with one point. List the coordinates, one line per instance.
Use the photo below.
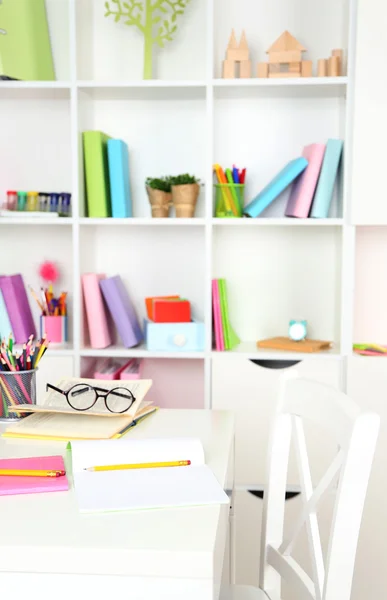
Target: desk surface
(45, 533)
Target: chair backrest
(355, 433)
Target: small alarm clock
(297, 330)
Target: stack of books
(225, 336)
(106, 166)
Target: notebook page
(69, 426)
(147, 488)
(113, 452)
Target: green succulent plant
(159, 183)
(184, 179)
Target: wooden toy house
(285, 59)
(237, 55)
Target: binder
(326, 183)
(95, 311)
(288, 174)
(18, 308)
(122, 311)
(25, 49)
(96, 174)
(118, 157)
(5, 323)
(301, 195)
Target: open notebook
(192, 485)
(55, 419)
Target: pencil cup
(17, 387)
(229, 199)
(55, 328)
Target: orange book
(149, 303)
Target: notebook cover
(99, 333)
(288, 174)
(171, 311)
(301, 196)
(326, 183)
(219, 339)
(10, 486)
(5, 323)
(149, 303)
(18, 308)
(122, 311)
(25, 49)
(118, 157)
(96, 174)
(284, 343)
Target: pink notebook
(219, 339)
(10, 486)
(301, 195)
(96, 312)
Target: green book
(230, 337)
(25, 49)
(96, 167)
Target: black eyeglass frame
(98, 394)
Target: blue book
(276, 187)
(118, 157)
(326, 183)
(5, 323)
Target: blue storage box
(174, 337)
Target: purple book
(122, 311)
(18, 308)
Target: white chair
(355, 433)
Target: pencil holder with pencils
(229, 200)
(16, 387)
(54, 328)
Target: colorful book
(122, 311)
(230, 337)
(96, 314)
(171, 311)
(18, 308)
(118, 157)
(5, 323)
(301, 196)
(25, 49)
(279, 184)
(10, 486)
(219, 339)
(96, 174)
(326, 183)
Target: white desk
(49, 550)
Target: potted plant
(159, 194)
(185, 192)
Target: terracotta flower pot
(160, 202)
(184, 198)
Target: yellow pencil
(32, 473)
(155, 465)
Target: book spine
(18, 308)
(219, 340)
(122, 311)
(326, 183)
(119, 179)
(301, 196)
(99, 333)
(96, 174)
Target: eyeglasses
(83, 397)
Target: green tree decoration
(155, 19)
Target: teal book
(118, 157)
(326, 183)
(97, 185)
(5, 323)
(279, 184)
(25, 48)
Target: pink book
(10, 486)
(219, 339)
(301, 195)
(95, 311)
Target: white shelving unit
(185, 120)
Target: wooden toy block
(263, 70)
(245, 69)
(322, 67)
(229, 69)
(333, 66)
(306, 68)
(274, 68)
(338, 52)
(295, 68)
(286, 43)
(290, 56)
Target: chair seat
(242, 592)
